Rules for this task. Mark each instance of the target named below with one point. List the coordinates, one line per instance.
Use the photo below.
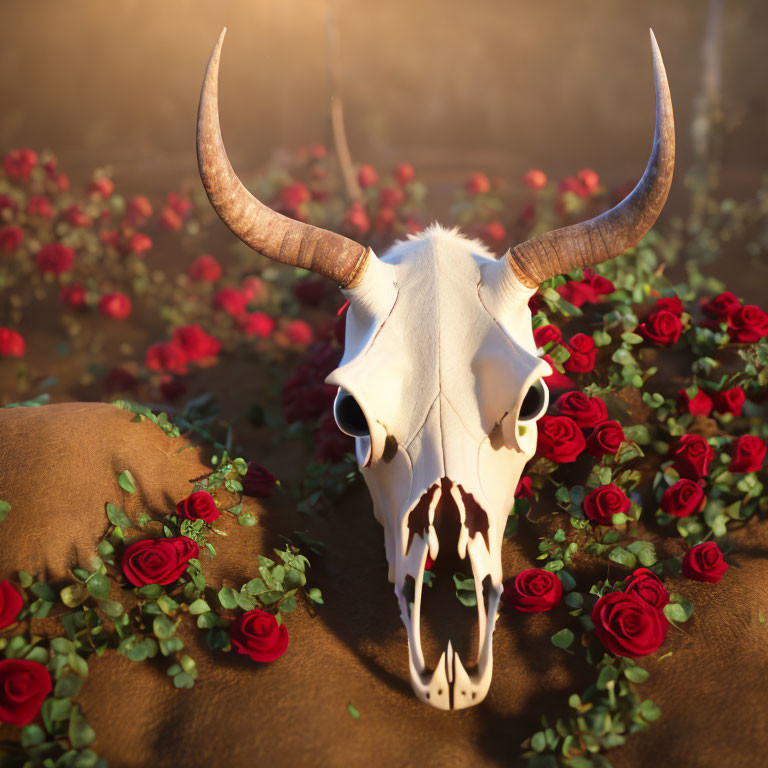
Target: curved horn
(610, 234)
(264, 230)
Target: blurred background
(449, 86)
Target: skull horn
(610, 234)
(266, 231)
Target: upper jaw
(449, 685)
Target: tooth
(415, 633)
(434, 545)
(463, 686)
(463, 541)
(449, 654)
(439, 687)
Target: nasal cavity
(418, 519)
(476, 517)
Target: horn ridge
(611, 233)
(276, 236)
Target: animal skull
(440, 383)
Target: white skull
(438, 361)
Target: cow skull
(440, 383)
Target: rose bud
(748, 324)
(671, 304)
(704, 562)
(11, 602)
(583, 352)
(258, 324)
(166, 357)
(589, 179)
(77, 217)
(747, 455)
(139, 208)
(628, 626)
(39, 205)
(646, 585)
(231, 301)
(585, 411)
(494, 232)
(601, 504)
(258, 481)
(546, 334)
(478, 184)
(196, 343)
(139, 243)
(535, 179)
(170, 220)
(684, 498)
(198, 506)
(10, 239)
(699, 405)
(299, 333)
(158, 561)
(721, 307)
(258, 635)
(692, 456)
(54, 258)
(730, 401)
(73, 295)
(391, 197)
(115, 305)
(524, 489)
(367, 176)
(533, 591)
(662, 328)
(559, 439)
(405, 174)
(24, 685)
(355, 220)
(12, 344)
(605, 438)
(205, 269)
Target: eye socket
(349, 415)
(534, 403)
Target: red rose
(647, 586)
(494, 232)
(40, 206)
(404, 174)
(253, 288)
(330, 442)
(662, 328)
(6, 201)
(196, 343)
(10, 239)
(721, 307)
(524, 489)
(101, 187)
(367, 176)
(166, 357)
(535, 179)
(355, 220)
(684, 498)
(258, 324)
(258, 635)
(73, 295)
(583, 352)
(585, 411)
(730, 401)
(589, 179)
(55, 258)
(578, 293)
(605, 438)
(384, 220)
(198, 506)
(258, 481)
(532, 591)
(748, 324)
(627, 625)
(556, 380)
(115, 305)
(559, 439)
(171, 220)
(704, 562)
(158, 561)
(12, 344)
(178, 204)
(24, 685)
(391, 197)
(299, 333)
(478, 184)
(602, 286)
(11, 602)
(692, 456)
(294, 195)
(18, 163)
(78, 217)
(139, 243)
(699, 405)
(204, 269)
(547, 334)
(747, 455)
(231, 301)
(139, 209)
(671, 304)
(601, 504)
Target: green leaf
(675, 613)
(650, 711)
(163, 627)
(607, 675)
(44, 592)
(228, 598)
(563, 639)
(315, 595)
(247, 519)
(105, 549)
(99, 586)
(112, 608)
(353, 712)
(116, 516)
(67, 686)
(198, 607)
(25, 579)
(636, 674)
(73, 595)
(151, 591)
(127, 481)
(5, 508)
(622, 557)
(80, 733)
(31, 736)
